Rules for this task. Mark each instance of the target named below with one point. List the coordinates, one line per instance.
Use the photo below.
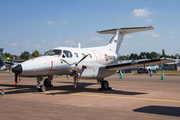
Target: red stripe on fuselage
(51, 67)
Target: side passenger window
(89, 55)
(67, 53)
(76, 55)
(83, 54)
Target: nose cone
(17, 69)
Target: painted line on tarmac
(146, 82)
(105, 96)
(149, 99)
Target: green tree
(153, 55)
(25, 55)
(7, 54)
(123, 58)
(163, 52)
(134, 56)
(35, 53)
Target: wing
(135, 64)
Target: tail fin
(116, 40)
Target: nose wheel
(42, 88)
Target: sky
(28, 25)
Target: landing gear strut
(47, 83)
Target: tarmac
(135, 98)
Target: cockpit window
(67, 53)
(54, 52)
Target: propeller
(75, 68)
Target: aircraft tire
(42, 88)
(47, 82)
(105, 85)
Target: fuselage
(51, 63)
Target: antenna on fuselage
(79, 45)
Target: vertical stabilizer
(115, 42)
(119, 33)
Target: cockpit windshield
(54, 52)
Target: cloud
(72, 37)
(13, 44)
(149, 20)
(36, 45)
(43, 41)
(9, 34)
(139, 43)
(89, 32)
(50, 22)
(26, 40)
(128, 36)
(141, 12)
(156, 35)
(149, 32)
(58, 38)
(154, 12)
(165, 37)
(65, 22)
(70, 43)
(173, 32)
(95, 38)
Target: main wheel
(42, 88)
(105, 85)
(47, 82)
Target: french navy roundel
(106, 57)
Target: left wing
(135, 64)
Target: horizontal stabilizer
(126, 30)
(135, 64)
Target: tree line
(146, 55)
(133, 56)
(24, 55)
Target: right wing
(135, 64)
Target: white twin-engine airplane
(87, 63)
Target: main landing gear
(104, 84)
(47, 83)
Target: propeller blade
(65, 61)
(15, 79)
(81, 59)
